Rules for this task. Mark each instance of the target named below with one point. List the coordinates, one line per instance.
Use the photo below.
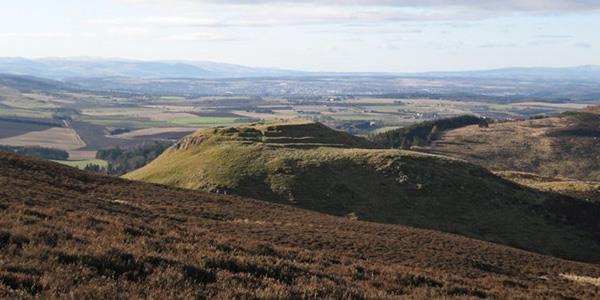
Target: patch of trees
(124, 160)
(95, 168)
(119, 131)
(423, 133)
(41, 152)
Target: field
(94, 116)
(203, 120)
(80, 235)
(55, 137)
(152, 131)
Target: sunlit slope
(564, 146)
(311, 166)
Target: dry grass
(55, 137)
(528, 146)
(152, 131)
(65, 233)
(582, 279)
(588, 190)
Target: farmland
(83, 122)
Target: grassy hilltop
(308, 165)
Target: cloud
(582, 45)
(509, 45)
(493, 5)
(35, 35)
(198, 37)
(554, 36)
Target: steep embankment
(566, 146)
(311, 166)
(68, 233)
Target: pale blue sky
(328, 35)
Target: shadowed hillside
(311, 166)
(68, 233)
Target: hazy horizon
(335, 36)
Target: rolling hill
(74, 67)
(69, 233)
(565, 146)
(310, 166)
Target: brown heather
(69, 234)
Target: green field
(204, 120)
(28, 103)
(81, 164)
(173, 98)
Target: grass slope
(588, 190)
(66, 233)
(311, 166)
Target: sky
(311, 35)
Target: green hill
(310, 166)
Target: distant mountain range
(67, 68)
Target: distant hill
(65, 68)
(77, 67)
(68, 233)
(564, 146)
(25, 82)
(308, 165)
(580, 73)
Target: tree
(484, 123)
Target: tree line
(124, 160)
(423, 133)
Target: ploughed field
(69, 233)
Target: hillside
(68, 233)
(310, 166)
(587, 190)
(566, 146)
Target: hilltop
(69, 233)
(310, 166)
(564, 146)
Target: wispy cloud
(507, 45)
(554, 36)
(198, 37)
(560, 6)
(35, 35)
(582, 45)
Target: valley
(81, 121)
